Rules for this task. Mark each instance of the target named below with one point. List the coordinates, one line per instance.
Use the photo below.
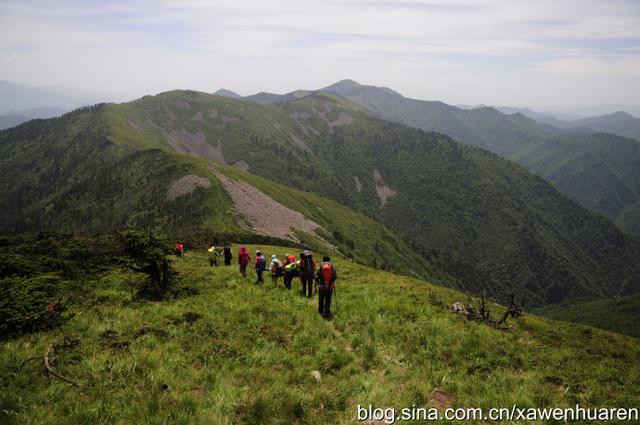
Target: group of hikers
(304, 267)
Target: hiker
(326, 278)
(290, 270)
(261, 266)
(213, 256)
(227, 255)
(277, 269)
(243, 260)
(179, 250)
(307, 272)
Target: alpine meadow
(204, 222)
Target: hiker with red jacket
(326, 278)
(261, 266)
(243, 260)
(307, 272)
(179, 250)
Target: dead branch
(52, 371)
(481, 313)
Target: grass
(240, 353)
(619, 314)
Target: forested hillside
(485, 221)
(66, 175)
(599, 171)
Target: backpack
(326, 272)
(277, 269)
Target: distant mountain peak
(228, 93)
(620, 115)
(342, 85)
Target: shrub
(26, 303)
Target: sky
(534, 53)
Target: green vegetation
(449, 209)
(357, 237)
(69, 175)
(619, 314)
(239, 353)
(64, 175)
(148, 254)
(599, 171)
(620, 123)
(41, 273)
(482, 127)
(481, 219)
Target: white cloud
(459, 51)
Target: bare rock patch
(133, 122)
(198, 117)
(263, 214)
(226, 119)
(185, 185)
(182, 104)
(384, 191)
(298, 141)
(242, 165)
(343, 119)
(358, 184)
(196, 144)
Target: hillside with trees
(488, 223)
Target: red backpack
(326, 270)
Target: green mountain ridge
(618, 314)
(599, 170)
(67, 175)
(619, 123)
(530, 143)
(488, 223)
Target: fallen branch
(53, 372)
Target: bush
(148, 254)
(25, 303)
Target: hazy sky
(536, 53)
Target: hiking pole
(335, 295)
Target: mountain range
(37, 100)
(14, 118)
(379, 192)
(524, 140)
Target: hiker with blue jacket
(261, 266)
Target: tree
(148, 255)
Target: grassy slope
(620, 314)
(250, 356)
